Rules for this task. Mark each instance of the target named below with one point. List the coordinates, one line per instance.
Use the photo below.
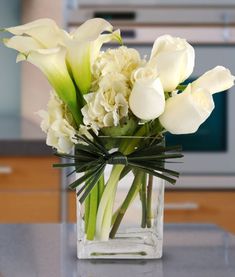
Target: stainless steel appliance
(210, 27)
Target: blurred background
(32, 191)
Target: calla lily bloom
(83, 47)
(52, 63)
(23, 44)
(44, 31)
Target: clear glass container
(127, 223)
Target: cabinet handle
(185, 206)
(5, 170)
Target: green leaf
(155, 157)
(88, 166)
(125, 171)
(93, 182)
(81, 148)
(157, 174)
(74, 156)
(97, 141)
(82, 179)
(64, 165)
(96, 147)
(160, 168)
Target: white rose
(215, 80)
(147, 99)
(185, 112)
(173, 58)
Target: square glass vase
(122, 218)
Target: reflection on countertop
(19, 136)
(50, 250)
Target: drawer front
(29, 173)
(29, 207)
(201, 206)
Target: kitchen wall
(9, 72)
(33, 82)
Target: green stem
(143, 200)
(132, 192)
(92, 213)
(114, 217)
(181, 87)
(101, 186)
(105, 210)
(104, 215)
(118, 210)
(87, 210)
(149, 201)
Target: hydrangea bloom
(111, 87)
(57, 123)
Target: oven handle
(181, 206)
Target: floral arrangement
(114, 107)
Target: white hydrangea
(111, 87)
(57, 124)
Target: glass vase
(122, 218)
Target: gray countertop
(50, 250)
(19, 137)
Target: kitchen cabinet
(29, 190)
(29, 207)
(194, 206)
(201, 206)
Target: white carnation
(111, 86)
(57, 124)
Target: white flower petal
(52, 63)
(23, 44)
(97, 44)
(44, 30)
(173, 58)
(108, 120)
(215, 80)
(185, 112)
(78, 57)
(147, 99)
(60, 133)
(91, 29)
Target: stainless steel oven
(209, 154)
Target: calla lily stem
(121, 212)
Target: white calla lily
(215, 80)
(52, 63)
(83, 48)
(23, 44)
(173, 58)
(78, 58)
(147, 99)
(91, 28)
(104, 38)
(44, 31)
(185, 112)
